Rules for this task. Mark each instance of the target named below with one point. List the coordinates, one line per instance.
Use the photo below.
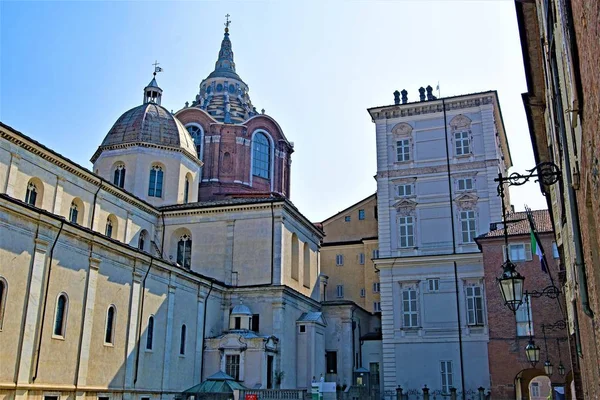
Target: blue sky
(70, 69)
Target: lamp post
(561, 367)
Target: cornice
(122, 146)
(442, 168)
(426, 260)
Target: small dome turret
(240, 317)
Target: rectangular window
(375, 253)
(374, 372)
(255, 322)
(376, 306)
(361, 258)
(461, 140)
(535, 389)
(433, 284)
(555, 250)
(339, 259)
(403, 150)
(361, 214)
(363, 292)
(237, 323)
(409, 308)
(447, 381)
(340, 291)
(302, 328)
(405, 190)
(465, 184)
(406, 231)
(51, 397)
(522, 317)
(376, 287)
(467, 224)
(331, 361)
(519, 252)
(474, 305)
(103, 398)
(347, 218)
(232, 366)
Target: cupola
(240, 317)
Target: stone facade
(436, 164)
(562, 104)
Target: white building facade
(436, 164)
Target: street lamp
(532, 352)
(511, 285)
(561, 369)
(548, 367)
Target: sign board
(251, 397)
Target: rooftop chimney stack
(396, 97)
(430, 95)
(422, 93)
(404, 96)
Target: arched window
(3, 293)
(60, 315)
(155, 188)
(295, 256)
(186, 190)
(261, 156)
(74, 212)
(197, 134)
(184, 251)
(182, 343)
(110, 324)
(150, 333)
(31, 194)
(109, 227)
(119, 176)
(142, 240)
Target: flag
(157, 69)
(438, 86)
(537, 249)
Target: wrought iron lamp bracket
(551, 292)
(546, 172)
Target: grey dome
(241, 309)
(149, 123)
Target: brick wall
(507, 351)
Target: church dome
(151, 124)
(241, 309)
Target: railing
(271, 394)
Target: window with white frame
(155, 185)
(184, 251)
(340, 291)
(409, 308)
(447, 378)
(109, 331)
(535, 389)
(433, 284)
(119, 176)
(462, 143)
(474, 295)
(406, 231)
(467, 224)
(31, 194)
(197, 134)
(363, 292)
(339, 259)
(522, 317)
(361, 258)
(555, 250)
(519, 252)
(405, 190)
(464, 184)
(403, 150)
(60, 315)
(261, 156)
(376, 306)
(376, 287)
(232, 366)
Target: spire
(225, 67)
(152, 92)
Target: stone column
(32, 312)
(168, 342)
(278, 330)
(229, 254)
(134, 308)
(199, 335)
(11, 175)
(58, 195)
(88, 321)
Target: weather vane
(227, 21)
(156, 67)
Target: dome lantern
(152, 92)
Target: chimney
(430, 95)
(396, 97)
(422, 93)
(404, 96)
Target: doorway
(269, 372)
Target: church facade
(178, 256)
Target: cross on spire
(156, 67)
(227, 22)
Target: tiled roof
(541, 219)
(310, 316)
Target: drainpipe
(139, 329)
(44, 306)
(272, 243)
(204, 329)
(162, 241)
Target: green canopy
(217, 383)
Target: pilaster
(58, 195)
(199, 335)
(32, 313)
(13, 171)
(134, 307)
(168, 342)
(88, 321)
